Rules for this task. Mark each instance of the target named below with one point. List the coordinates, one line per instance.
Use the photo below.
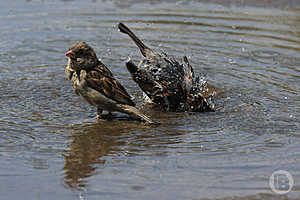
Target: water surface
(51, 147)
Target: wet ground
(51, 147)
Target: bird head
(82, 56)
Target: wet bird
(170, 84)
(96, 84)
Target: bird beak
(71, 54)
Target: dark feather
(146, 51)
(167, 82)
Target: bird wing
(189, 68)
(101, 79)
(153, 89)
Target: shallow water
(52, 148)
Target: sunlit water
(51, 146)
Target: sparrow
(96, 84)
(168, 83)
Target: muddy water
(52, 148)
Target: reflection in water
(89, 144)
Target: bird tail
(143, 48)
(136, 113)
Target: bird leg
(99, 113)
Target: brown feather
(101, 79)
(96, 84)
